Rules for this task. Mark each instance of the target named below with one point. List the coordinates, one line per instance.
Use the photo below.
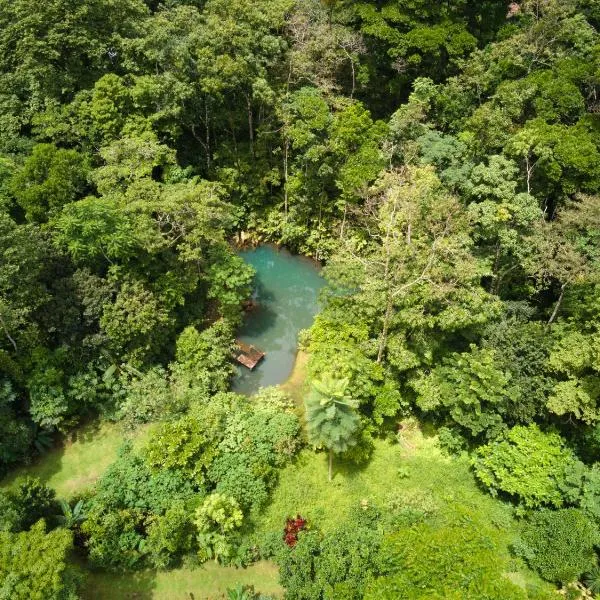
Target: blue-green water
(286, 291)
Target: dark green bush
(559, 544)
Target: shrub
(34, 565)
(526, 463)
(170, 536)
(148, 398)
(336, 566)
(559, 544)
(427, 562)
(217, 517)
(33, 501)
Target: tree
(49, 52)
(330, 416)
(50, 178)
(409, 262)
(471, 389)
(34, 565)
(15, 435)
(526, 463)
(565, 249)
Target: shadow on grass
(43, 466)
(86, 432)
(128, 586)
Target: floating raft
(248, 355)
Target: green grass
(210, 581)
(79, 460)
(413, 472)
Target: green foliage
(217, 517)
(34, 565)
(254, 446)
(28, 501)
(148, 399)
(330, 414)
(526, 463)
(426, 561)
(205, 357)
(15, 436)
(50, 178)
(129, 483)
(336, 565)
(71, 516)
(94, 228)
(442, 157)
(559, 544)
(131, 504)
(468, 387)
(169, 535)
(184, 445)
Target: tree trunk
(286, 149)
(330, 465)
(207, 121)
(343, 227)
(386, 325)
(250, 123)
(557, 305)
(10, 338)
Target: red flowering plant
(293, 526)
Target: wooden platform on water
(248, 355)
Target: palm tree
(71, 516)
(331, 416)
(592, 580)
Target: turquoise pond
(286, 290)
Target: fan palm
(331, 416)
(592, 580)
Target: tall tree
(331, 416)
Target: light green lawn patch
(411, 473)
(208, 582)
(80, 459)
(414, 471)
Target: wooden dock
(248, 355)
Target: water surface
(286, 291)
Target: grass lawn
(413, 472)
(79, 460)
(210, 581)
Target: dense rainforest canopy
(441, 159)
